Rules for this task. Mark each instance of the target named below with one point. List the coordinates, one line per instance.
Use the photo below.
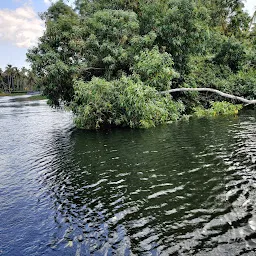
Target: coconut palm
(8, 74)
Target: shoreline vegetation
(12, 94)
(109, 61)
(30, 97)
(17, 81)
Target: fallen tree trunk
(230, 96)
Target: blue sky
(20, 28)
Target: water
(183, 189)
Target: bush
(218, 108)
(231, 54)
(125, 102)
(204, 73)
(244, 83)
(155, 69)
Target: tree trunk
(230, 96)
(9, 83)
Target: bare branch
(230, 96)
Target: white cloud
(47, 2)
(250, 6)
(69, 2)
(21, 27)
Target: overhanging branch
(226, 95)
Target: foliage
(206, 73)
(179, 33)
(111, 41)
(54, 60)
(108, 60)
(125, 102)
(104, 46)
(87, 7)
(228, 16)
(231, 54)
(155, 69)
(244, 83)
(13, 79)
(218, 108)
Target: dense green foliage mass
(123, 102)
(218, 108)
(108, 60)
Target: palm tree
(1, 79)
(31, 80)
(23, 77)
(8, 74)
(15, 75)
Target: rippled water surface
(184, 189)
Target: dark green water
(184, 189)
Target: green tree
(8, 74)
(227, 15)
(155, 69)
(56, 59)
(124, 102)
(102, 45)
(105, 52)
(111, 41)
(231, 54)
(173, 21)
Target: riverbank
(29, 98)
(2, 94)
(34, 97)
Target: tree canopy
(103, 53)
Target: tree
(56, 59)
(173, 22)
(23, 78)
(102, 45)
(142, 44)
(8, 73)
(12, 79)
(104, 40)
(15, 78)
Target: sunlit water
(184, 189)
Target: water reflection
(186, 188)
(182, 189)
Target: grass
(36, 97)
(12, 94)
(30, 98)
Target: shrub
(125, 102)
(218, 108)
(244, 83)
(232, 54)
(204, 73)
(155, 69)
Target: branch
(91, 68)
(230, 96)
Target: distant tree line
(13, 79)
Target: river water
(188, 188)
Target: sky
(20, 28)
